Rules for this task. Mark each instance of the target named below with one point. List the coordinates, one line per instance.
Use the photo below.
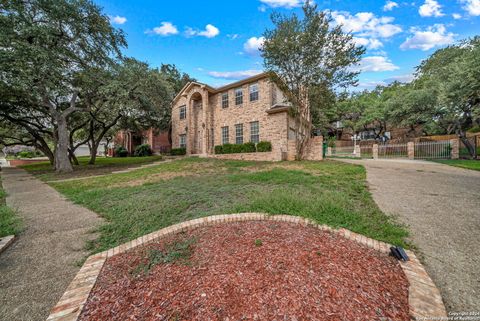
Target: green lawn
(9, 221)
(149, 199)
(103, 165)
(463, 163)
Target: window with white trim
(224, 135)
(254, 132)
(225, 100)
(238, 96)
(183, 112)
(253, 89)
(183, 141)
(239, 134)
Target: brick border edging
(423, 296)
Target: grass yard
(463, 163)
(103, 165)
(10, 224)
(148, 199)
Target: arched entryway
(197, 125)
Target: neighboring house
(158, 140)
(250, 110)
(84, 150)
(372, 134)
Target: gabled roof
(219, 89)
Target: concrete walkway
(441, 206)
(36, 269)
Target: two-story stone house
(250, 110)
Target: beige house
(250, 110)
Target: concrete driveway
(441, 206)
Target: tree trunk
(468, 144)
(43, 146)
(73, 157)
(62, 161)
(93, 153)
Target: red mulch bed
(297, 273)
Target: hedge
(178, 151)
(143, 150)
(120, 151)
(243, 148)
(264, 147)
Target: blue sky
(216, 41)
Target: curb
(5, 242)
(424, 298)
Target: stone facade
(199, 112)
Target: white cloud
(375, 64)
(389, 5)
(371, 43)
(233, 36)
(456, 16)
(234, 74)
(472, 7)
(118, 20)
(283, 3)
(252, 45)
(401, 78)
(433, 36)
(165, 29)
(209, 32)
(366, 24)
(431, 8)
(368, 85)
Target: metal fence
(366, 151)
(346, 151)
(393, 151)
(433, 150)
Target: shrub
(143, 150)
(26, 154)
(264, 147)
(178, 151)
(121, 151)
(235, 148)
(249, 147)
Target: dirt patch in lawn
(195, 169)
(250, 271)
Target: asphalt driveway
(441, 206)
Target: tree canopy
(308, 58)
(444, 97)
(64, 81)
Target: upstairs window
(224, 135)
(224, 100)
(254, 132)
(253, 92)
(238, 96)
(183, 112)
(183, 141)
(239, 134)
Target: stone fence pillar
(357, 151)
(411, 150)
(375, 151)
(454, 152)
(329, 151)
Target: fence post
(357, 151)
(411, 150)
(454, 152)
(329, 151)
(375, 151)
